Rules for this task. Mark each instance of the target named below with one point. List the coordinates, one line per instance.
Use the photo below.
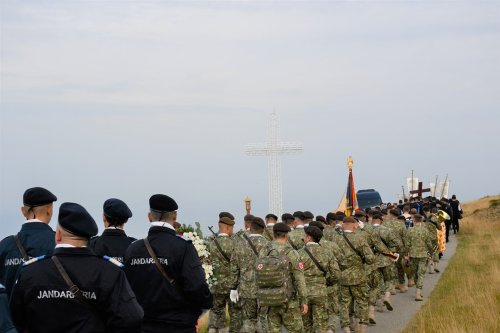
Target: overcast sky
(126, 99)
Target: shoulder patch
(301, 265)
(184, 238)
(33, 260)
(113, 261)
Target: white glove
(233, 296)
(397, 257)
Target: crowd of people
(306, 273)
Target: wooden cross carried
(420, 190)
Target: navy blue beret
(162, 203)
(317, 224)
(272, 216)
(116, 208)
(286, 216)
(308, 215)
(281, 227)
(314, 232)
(38, 196)
(299, 215)
(75, 219)
(258, 222)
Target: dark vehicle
(368, 198)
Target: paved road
(405, 305)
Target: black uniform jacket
(163, 305)
(37, 239)
(6, 325)
(112, 242)
(41, 301)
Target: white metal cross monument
(273, 149)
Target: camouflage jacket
(316, 279)
(296, 237)
(392, 243)
(268, 232)
(419, 243)
(329, 233)
(431, 228)
(350, 262)
(375, 243)
(242, 267)
(400, 229)
(220, 265)
(296, 270)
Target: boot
(431, 267)
(411, 283)
(418, 295)
(403, 288)
(393, 291)
(371, 315)
(387, 302)
(362, 328)
(436, 267)
(346, 329)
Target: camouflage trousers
(250, 316)
(333, 306)
(419, 267)
(388, 278)
(317, 314)
(400, 273)
(287, 315)
(375, 285)
(357, 294)
(217, 315)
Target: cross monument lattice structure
(274, 149)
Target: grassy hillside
(467, 298)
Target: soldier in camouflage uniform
(289, 314)
(385, 260)
(242, 277)
(271, 220)
(437, 227)
(329, 231)
(353, 282)
(308, 218)
(399, 228)
(221, 247)
(419, 247)
(296, 236)
(318, 275)
(288, 219)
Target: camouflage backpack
(273, 278)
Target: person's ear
(174, 216)
(150, 217)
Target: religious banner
(444, 187)
(351, 203)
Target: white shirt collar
(33, 220)
(299, 226)
(116, 228)
(222, 234)
(162, 224)
(314, 243)
(347, 230)
(270, 224)
(63, 245)
(376, 225)
(255, 235)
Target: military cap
(317, 224)
(75, 219)
(320, 218)
(248, 218)
(308, 215)
(258, 223)
(286, 216)
(339, 217)
(116, 208)
(349, 219)
(281, 227)
(413, 211)
(394, 212)
(38, 196)
(299, 215)
(377, 216)
(272, 216)
(330, 216)
(162, 203)
(314, 232)
(339, 213)
(453, 196)
(226, 220)
(226, 214)
(359, 212)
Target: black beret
(377, 216)
(38, 196)
(317, 224)
(320, 218)
(308, 215)
(349, 219)
(258, 223)
(248, 218)
(394, 212)
(226, 220)
(314, 232)
(162, 203)
(116, 208)
(281, 227)
(339, 217)
(75, 219)
(272, 216)
(401, 217)
(299, 215)
(330, 216)
(226, 214)
(286, 216)
(359, 212)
